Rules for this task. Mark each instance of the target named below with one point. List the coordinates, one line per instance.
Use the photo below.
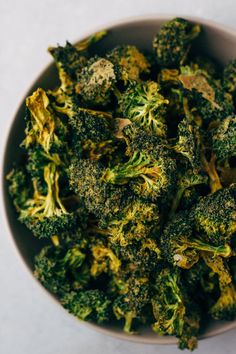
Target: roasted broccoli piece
(101, 199)
(130, 306)
(96, 81)
(88, 305)
(173, 42)
(149, 169)
(43, 126)
(19, 187)
(205, 95)
(224, 139)
(141, 256)
(214, 216)
(104, 261)
(229, 77)
(70, 60)
(173, 310)
(62, 269)
(129, 62)
(188, 143)
(45, 215)
(225, 307)
(143, 104)
(134, 222)
(180, 245)
(187, 180)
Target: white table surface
(29, 322)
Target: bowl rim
(130, 20)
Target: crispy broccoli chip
(45, 215)
(180, 245)
(96, 81)
(131, 305)
(229, 77)
(149, 169)
(143, 104)
(61, 270)
(206, 95)
(173, 42)
(129, 62)
(224, 139)
(175, 313)
(101, 199)
(215, 216)
(43, 126)
(88, 305)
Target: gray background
(29, 322)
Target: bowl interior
(214, 40)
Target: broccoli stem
(210, 169)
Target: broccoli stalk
(45, 215)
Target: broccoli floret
(69, 60)
(104, 261)
(72, 58)
(101, 199)
(208, 65)
(188, 179)
(134, 222)
(88, 305)
(129, 62)
(175, 314)
(214, 216)
(131, 305)
(149, 169)
(225, 307)
(205, 95)
(143, 104)
(180, 245)
(224, 139)
(141, 256)
(229, 77)
(188, 144)
(96, 81)
(19, 187)
(43, 127)
(45, 215)
(61, 270)
(173, 42)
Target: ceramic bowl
(216, 40)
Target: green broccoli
(173, 310)
(205, 95)
(224, 139)
(143, 104)
(173, 42)
(134, 222)
(180, 245)
(149, 170)
(61, 270)
(43, 126)
(214, 216)
(187, 180)
(88, 305)
(96, 81)
(129, 62)
(229, 77)
(101, 199)
(45, 214)
(130, 306)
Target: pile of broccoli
(129, 176)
